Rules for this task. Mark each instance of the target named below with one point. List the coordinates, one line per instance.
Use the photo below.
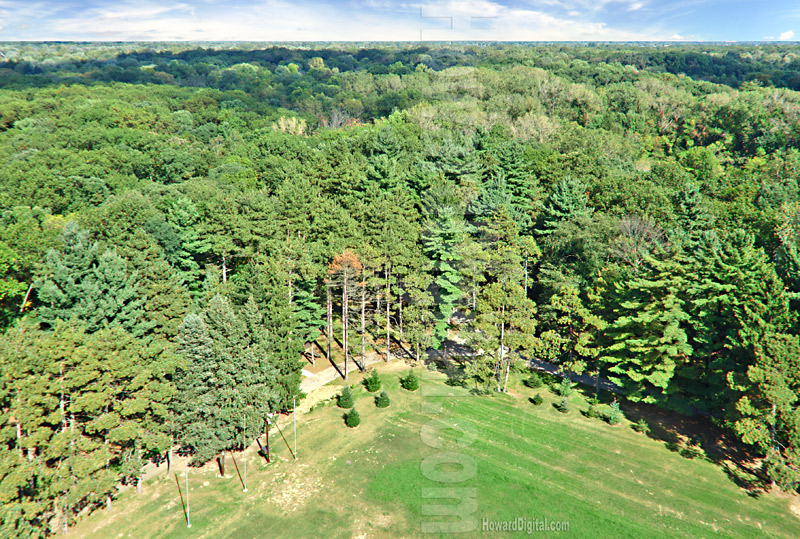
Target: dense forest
(183, 228)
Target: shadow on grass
(183, 501)
(697, 437)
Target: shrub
(536, 399)
(565, 388)
(372, 382)
(410, 382)
(382, 400)
(641, 426)
(534, 381)
(592, 412)
(352, 419)
(614, 415)
(345, 398)
(563, 405)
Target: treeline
(170, 255)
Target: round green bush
(352, 419)
(534, 381)
(536, 400)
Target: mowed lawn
(531, 463)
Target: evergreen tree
(647, 336)
(345, 398)
(82, 412)
(382, 400)
(444, 234)
(88, 286)
(567, 202)
(736, 300)
(769, 409)
(694, 215)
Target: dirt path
(315, 381)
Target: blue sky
(531, 20)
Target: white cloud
(282, 20)
(677, 37)
(785, 36)
(636, 6)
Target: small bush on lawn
(352, 419)
(382, 400)
(536, 400)
(641, 426)
(592, 412)
(534, 381)
(563, 405)
(372, 382)
(614, 415)
(565, 388)
(345, 398)
(410, 382)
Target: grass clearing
(533, 462)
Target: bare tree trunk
(221, 461)
(25, 299)
(401, 317)
(313, 358)
(224, 270)
(388, 273)
(345, 302)
(526, 276)
(363, 323)
(330, 322)
(503, 348)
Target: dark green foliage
(352, 419)
(534, 381)
(536, 400)
(592, 412)
(372, 381)
(345, 398)
(382, 400)
(409, 382)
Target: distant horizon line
(438, 42)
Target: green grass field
(532, 462)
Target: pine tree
(694, 215)
(382, 400)
(191, 244)
(345, 398)
(444, 234)
(769, 408)
(504, 323)
(648, 336)
(83, 412)
(88, 286)
(736, 300)
(567, 202)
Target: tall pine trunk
(330, 321)
(388, 273)
(345, 302)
